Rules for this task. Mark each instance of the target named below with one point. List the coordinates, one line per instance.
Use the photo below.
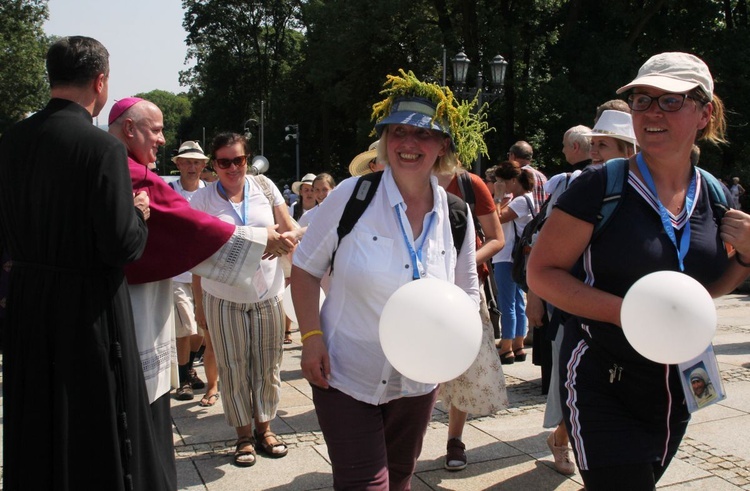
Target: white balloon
(286, 301)
(668, 317)
(430, 330)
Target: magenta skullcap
(121, 106)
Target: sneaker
(195, 382)
(561, 454)
(455, 458)
(185, 392)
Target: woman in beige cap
(625, 414)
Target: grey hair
(576, 134)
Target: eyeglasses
(667, 102)
(238, 161)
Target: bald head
(521, 152)
(140, 128)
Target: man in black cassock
(76, 414)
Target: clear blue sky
(145, 40)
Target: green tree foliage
(243, 51)
(23, 45)
(176, 110)
(347, 56)
(322, 63)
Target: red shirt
(483, 205)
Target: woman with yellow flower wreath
(372, 417)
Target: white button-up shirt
(372, 262)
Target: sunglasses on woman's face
(238, 161)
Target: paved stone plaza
(506, 451)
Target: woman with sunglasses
(246, 327)
(625, 426)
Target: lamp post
(490, 94)
(246, 128)
(294, 136)
(260, 126)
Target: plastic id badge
(701, 381)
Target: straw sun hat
(306, 179)
(190, 150)
(360, 163)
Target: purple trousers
(372, 448)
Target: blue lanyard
(416, 256)
(666, 222)
(245, 201)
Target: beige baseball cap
(674, 72)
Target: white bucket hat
(615, 124)
(674, 72)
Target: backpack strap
(362, 196)
(458, 216)
(617, 175)
(266, 187)
(358, 202)
(716, 194)
(466, 188)
(531, 205)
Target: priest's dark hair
(76, 61)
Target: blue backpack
(617, 175)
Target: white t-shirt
(372, 262)
(185, 277)
(307, 216)
(520, 205)
(260, 214)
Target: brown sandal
(242, 454)
(269, 448)
(455, 458)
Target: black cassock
(76, 413)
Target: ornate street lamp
(498, 66)
(461, 65)
(489, 94)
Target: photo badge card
(701, 381)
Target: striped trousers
(247, 339)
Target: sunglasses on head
(238, 161)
